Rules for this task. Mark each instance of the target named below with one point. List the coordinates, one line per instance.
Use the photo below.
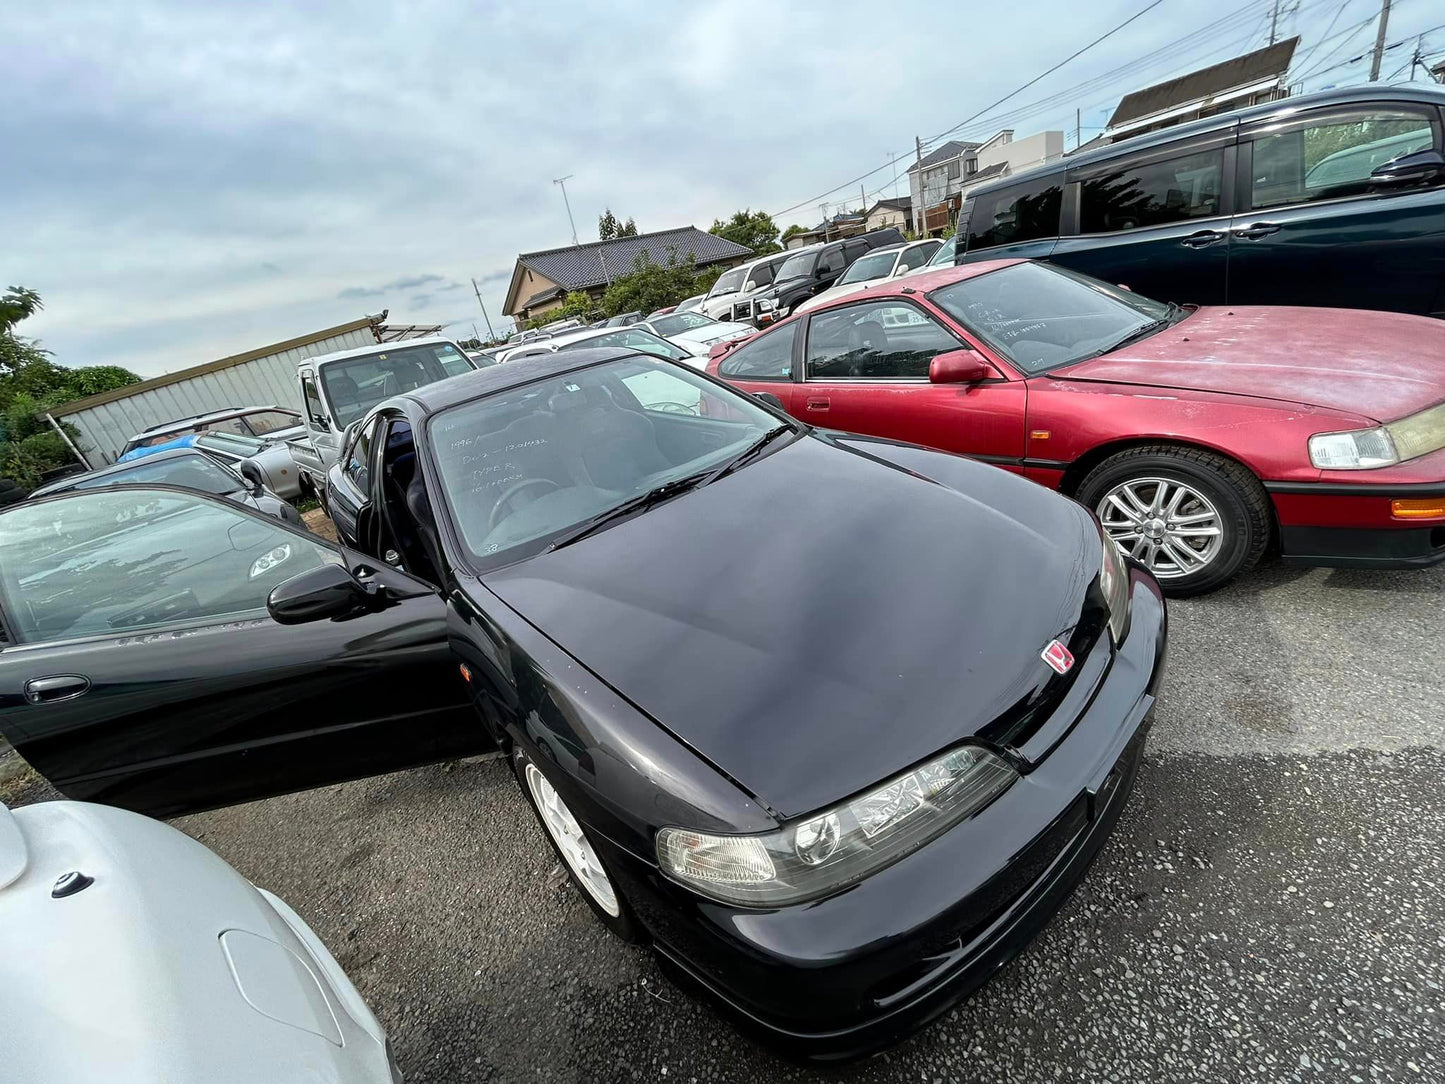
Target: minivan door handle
(818, 402)
(1258, 230)
(48, 690)
(1201, 239)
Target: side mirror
(958, 367)
(327, 591)
(1417, 168)
(749, 286)
(253, 476)
(769, 399)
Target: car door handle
(1201, 239)
(1258, 230)
(48, 690)
(818, 402)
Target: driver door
(139, 665)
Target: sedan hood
(1381, 365)
(822, 619)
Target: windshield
(876, 265)
(196, 471)
(729, 283)
(678, 322)
(355, 385)
(264, 422)
(798, 266)
(634, 338)
(524, 465)
(1043, 317)
(944, 256)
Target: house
(540, 279)
(950, 171)
(843, 224)
(891, 212)
(1220, 88)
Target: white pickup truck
(339, 388)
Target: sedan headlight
(1114, 582)
(1385, 445)
(839, 846)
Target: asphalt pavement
(1272, 906)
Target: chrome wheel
(571, 841)
(1169, 527)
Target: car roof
(377, 348)
(482, 382)
(212, 416)
(921, 283)
(1218, 123)
(70, 481)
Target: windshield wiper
(1145, 330)
(658, 494)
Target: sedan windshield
(944, 256)
(796, 267)
(195, 471)
(527, 466)
(356, 385)
(1043, 317)
(876, 265)
(678, 322)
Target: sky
(184, 181)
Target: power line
(1073, 56)
(1316, 48)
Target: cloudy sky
(186, 181)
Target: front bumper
(846, 975)
(1354, 526)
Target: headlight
(1359, 450)
(829, 850)
(1114, 582)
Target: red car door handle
(1201, 239)
(817, 402)
(1258, 230)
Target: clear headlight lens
(269, 560)
(1114, 581)
(1358, 450)
(841, 845)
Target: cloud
(396, 284)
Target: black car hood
(821, 619)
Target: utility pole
(485, 317)
(1274, 23)
(918, 209)
(863, 206)
(1380, 41)
(824, 208)
(1078, 128)
(561, 182)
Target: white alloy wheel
(572, 841)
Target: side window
(917, 257)
(314, 410)
(358, 457)
(830, 260)
(1021, 212)
(768, 357)
(762, 275)
(1129, 196)
(881, 340)
(109, 562)
(1331, 153)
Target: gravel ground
(1270, 908)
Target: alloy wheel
(562, 826)
(1171, 528)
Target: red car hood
(1383, 365)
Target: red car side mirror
(958, 367)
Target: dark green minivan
(1336, 198)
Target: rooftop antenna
(561, 182)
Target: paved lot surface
(1271, 908)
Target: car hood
(823, 619)
(1381, 365)
(714, 333)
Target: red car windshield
(1042, 317)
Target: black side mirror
(770, 399)
(327, 591)
(1418, 168)
(252, 474)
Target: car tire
(597, 884)
(1205, 490)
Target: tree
(751, 229)
(610, 227)
(627, 229)
(791, 230)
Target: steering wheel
(511, 491)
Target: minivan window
(1153, 194)
(1021, 212)
(1330, 154)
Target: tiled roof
(899, 203)
(1196, 86)
(952, 149)
(543, 295)
(988, 171)
(580, 266)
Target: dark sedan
(835, 723)
(190, 469)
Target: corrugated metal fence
(263, 377)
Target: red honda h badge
(1059, 658)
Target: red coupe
(1198, 435)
